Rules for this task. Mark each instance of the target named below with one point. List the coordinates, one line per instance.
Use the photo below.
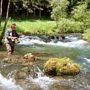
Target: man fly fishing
(11, 37)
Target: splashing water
(88, 60)
(8, 84)
(42, 80)
(78, 43)
(69, 42)
(46, 83)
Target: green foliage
(86, 35)
(79, 20)
(34, 26)
(57, 66)
(88, 4)
(59, 9)
(80, 12)
(0, 30)
(48, 27)
(87, 20)
(70, 26)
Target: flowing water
(72, 46)
(8, 84)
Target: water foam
(70, 42)
(8, 84)
(87, 60)
(46, 83)
(43, 81)
(78, 43)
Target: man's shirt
(11, 33)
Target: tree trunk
(1, 11)
(13, 10)
(39, 2)
(27, 13)
(40, 14)
(34, 12)
(5, 24)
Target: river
(72, 46)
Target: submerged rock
(29, 57)
(13, 60)
(6, 60)
(20, 75)
(65, 66)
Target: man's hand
(10, 37)
(14, 37)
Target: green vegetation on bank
(74, 20)
(86, 35)
(36, 27)
(33, 26)
(70, 26)
(47, 26)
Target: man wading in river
(11, 37)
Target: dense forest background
(43, 7)
(28, 8)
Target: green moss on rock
(59, 66)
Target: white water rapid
(68, 42)
(47, 83)
(8, 84)
(42, 80)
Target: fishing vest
(12, 34)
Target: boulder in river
(29, 57)
(61, 66)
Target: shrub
(58, 66)
(70, 26)
(80, 12)
(86, 35)
(59, 9)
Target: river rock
(20, 75)
(6, 60)
(59, 66)
(29, 57)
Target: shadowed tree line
(37, 7)
(28, 8)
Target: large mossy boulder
(61, 66)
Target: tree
(88, 4)
(37, 5)
(1, 11)
(34, 6)
(59, 9)
(7, 18)
(80, 12)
